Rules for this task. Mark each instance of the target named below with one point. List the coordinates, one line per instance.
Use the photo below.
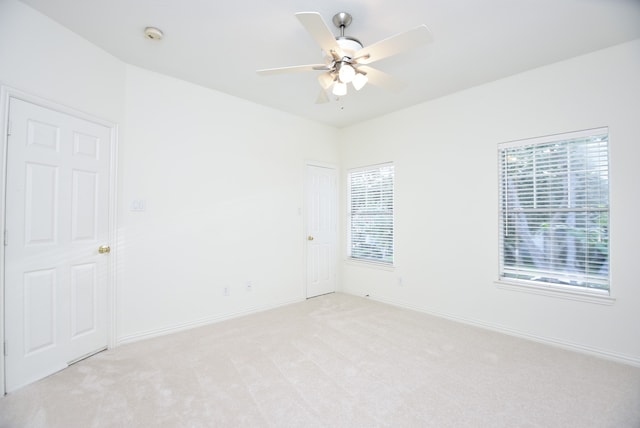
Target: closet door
(57, 241)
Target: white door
(56, 218)
(321, 211)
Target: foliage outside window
(554, 211)
(371, 213)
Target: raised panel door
(56, 218)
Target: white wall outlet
(226, 291)
(400, 281)
(249, 286)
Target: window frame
(574, 292)
(360, 260)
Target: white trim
(347, 200)
(571, 346)
(4, 121)
(51, 105)
(6, 93)
(563, 136)
(305, 219)
(370, 264)
(372, 166)
(568, 292)
(112, 296)
(149, 334)
(612, 211)
(321, 164)
(541, 287)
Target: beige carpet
(333, 361)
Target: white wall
(42, 58)
(445, 152)
(222, 181)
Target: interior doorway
(57, 239)
(321, 229)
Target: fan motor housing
(349, 45)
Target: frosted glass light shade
(346, 73)
(359, 81)
(339, 89)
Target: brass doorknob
(104, 249)
(309, 238)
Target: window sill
(369, 264)
(558, 292)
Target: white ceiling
(220, 44)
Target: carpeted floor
(333, 361)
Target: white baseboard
(602, 353)
(199, 323)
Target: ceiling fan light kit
(346, 60)
(359, 81)
(346, 72)
(339, 89)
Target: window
(554, 211)
(371, 213)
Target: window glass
(371, 213)
(554, 210)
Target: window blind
(371, 213)
(554, 210)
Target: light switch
(138, 205)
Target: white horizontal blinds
(554, 204)
(371, 213)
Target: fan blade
(293, 69)
(322, 97)
(394, 45)
(326, 80)
(323, 36)
(382, 80)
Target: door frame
(305, 214)
(6, 94)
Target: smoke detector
(153, 33)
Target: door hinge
(9, 128)
(6, 237)
(6, 349)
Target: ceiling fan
(347, 60)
